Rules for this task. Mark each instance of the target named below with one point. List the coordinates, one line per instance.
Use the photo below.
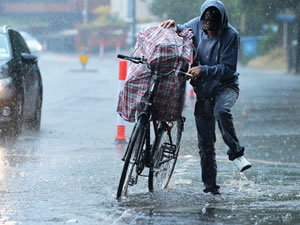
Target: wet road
(69, 173)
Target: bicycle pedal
(169, 148)
(140, 170)
(131, 181)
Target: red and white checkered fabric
(166, 51)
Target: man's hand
(168, 24)
(195, 71)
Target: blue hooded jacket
(217, 55)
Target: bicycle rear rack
(169, 148)
(132, 181)
(169, 152)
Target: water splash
(241, 183)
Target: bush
(266, 43)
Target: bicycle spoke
(135, 160)
(165, 156)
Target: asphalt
(69, 172)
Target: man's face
(212, 20)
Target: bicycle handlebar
(121, 56)
(142, 60)
(181, 73)
(128, 57)
(136, 60)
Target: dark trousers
(207, 112)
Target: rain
(67, 170)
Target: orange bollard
(121, 133)
(192, 58)
(122, 71)
(121, 138)
(191, 93)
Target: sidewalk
(242, 68)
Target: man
(215, 82)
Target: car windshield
(4, 47)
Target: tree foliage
(250, 17)
(256, 12)
(180, 11)
(103, 18)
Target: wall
(143, 13)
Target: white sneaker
(242, 163)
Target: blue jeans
(207, 112)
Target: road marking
(183, 181)
(181, 169)
(127, 213)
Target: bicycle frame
(146, 115)
(144, 151)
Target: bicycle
(160, 153)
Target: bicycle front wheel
(165, 156)
(132, 158)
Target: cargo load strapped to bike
(166, 52)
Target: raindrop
(287, 218)
(72, 221)
(22, 174)
(204, 208)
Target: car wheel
(16, 125)
(35, 122)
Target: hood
(220, 6)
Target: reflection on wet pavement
(69, 173)
(266, 195)
(268, 124)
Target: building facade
(143, 12)
(57, 13)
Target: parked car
(21, 89)
(33, 44)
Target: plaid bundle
(165, 51)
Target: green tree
(254, 13)
(266, 12)
(180, 11)
(263, 12)
(103, 18)
(183, 11)
(249, 17)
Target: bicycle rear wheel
(165, 156)
(132, 158)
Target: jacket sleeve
(191, 24)
(227, 60)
